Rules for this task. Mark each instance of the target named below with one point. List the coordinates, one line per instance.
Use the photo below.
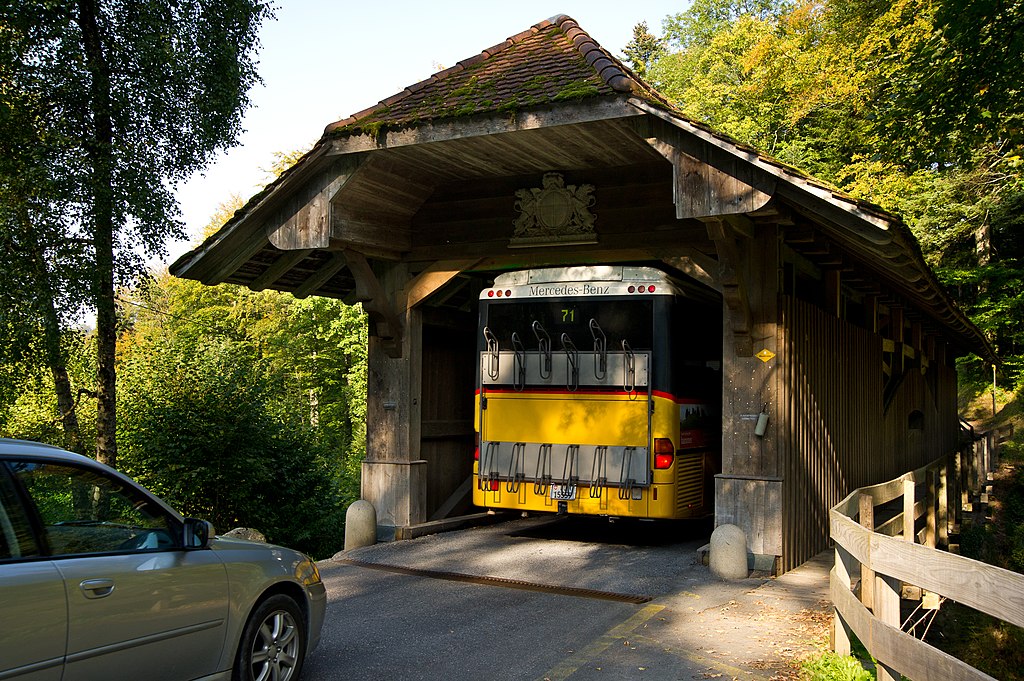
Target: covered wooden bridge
(833, 324)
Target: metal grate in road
(501, 581)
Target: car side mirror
(198, 533)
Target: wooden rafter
(321, 276)
(279, 268)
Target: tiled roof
(555, 63)
(551, 62)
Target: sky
(321, 61)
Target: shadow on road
(623, 532)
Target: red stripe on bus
(563, 391)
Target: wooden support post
(867, 575)
(748, 492)
(377, 302)
(840, 635)
(896, 323)
(735, 287)
(930, 532)
(393, 475)
(908, 511)
(917, 339)
(887, 610)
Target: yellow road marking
(624, 631)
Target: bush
(204, 432)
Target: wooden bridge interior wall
(839, 433)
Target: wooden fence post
(908, 511)
(867, 575)
(887, 610)
(840, 636)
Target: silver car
(99, 579)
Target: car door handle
(97, 588)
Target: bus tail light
(664, 453)
(476, 447)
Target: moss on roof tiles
(538, 68)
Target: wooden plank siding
(447, 412)
(837, 432)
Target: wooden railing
(875, 563)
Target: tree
(703, 19)
(643, 50)
(131, 97)
(44, 289)
(912, 104)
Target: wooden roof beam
(436, 275)
(701, 190)
(696, 265)
(279, 268)
(592, 109)
(775, 213)
(236, 253)
(321, 276)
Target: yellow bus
(598, 393)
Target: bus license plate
(560, 492)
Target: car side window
(84, 511)
(16, 537)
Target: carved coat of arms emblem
(554, 214)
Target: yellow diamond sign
(765, 355)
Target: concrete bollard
(360, 525)
(728, 559)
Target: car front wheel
(273, 643)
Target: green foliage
(283, 160)
(704, 19)
(832, 667)
(239, 407)
(247, 409)
(203, 430)
(32, 413)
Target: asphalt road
(393, 626)
(414, 624)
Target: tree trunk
(51, 341)
(59, 369)
(100, 149)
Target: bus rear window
(620, 320)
